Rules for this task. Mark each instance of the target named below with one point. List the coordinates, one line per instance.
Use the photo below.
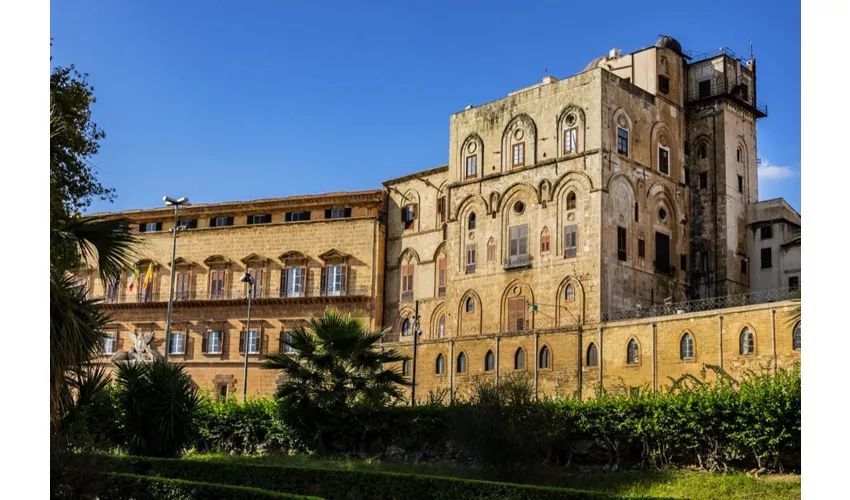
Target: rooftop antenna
(751, 51)
(545, 72)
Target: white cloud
(768, 172)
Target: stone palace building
(601, 229)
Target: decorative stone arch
(411, 196)
(622, 120)
(572, 116)
(693, 340)
(622, 196)
(569, 312)
(439, 311)
(471, 146)
(748, 326)
(591, 348)
(580, 185)
(516, 289)
(521, 128)
(702, 140)
(405, 312)
(408, 254)
(440, 257)
(741, 143)
(744, 164)
(661, 136)
(470, 323)
(442, 213)
(544, 192)
(545, 348)
(474, 202)
(545, 235)
(519, 192)
(639, 350)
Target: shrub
(157, 401)
(228, 426)
(342, 484)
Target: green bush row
(341, 484)
(123, 486)
(229, 426)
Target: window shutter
(283, 282)
(343, 269)
(242, 341)
(328, 213)
(212, 221)
(230, 221)
(280, 341)
(323, 286)
(142, 228)
(415, 210)
(249, 219)
(287, 217)
(440, 206)
(523, 240)
(348, 212)
(404, 213)
(204, 342)
(159, 226)
(193, 224)
(303, 292)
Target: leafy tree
(336, 365)
(158, 401)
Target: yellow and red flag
(148, 277)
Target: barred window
(545, 357)
(591, 358)
(686, 347)
(570, 293)
(747, 342)
(633, 352)
(441, 365)
(796, 341)
(405, 327)
(489, 361)
(470, 305)
(519, 359)
(461, 363)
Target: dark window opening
(703, 180)
(683, 262)
(794, 282)
(663, 160)
(766, 258)
(766, 232)
(621, 243)
(703, 257)
(296, 216)
(337, 213)
(662, 253)
(704, 89)
(687, 177)
(641, 248)
(259, 219)
(743, 266)
(740, 184)
(663, 84)
(622, 141)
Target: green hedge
(341, 484)
(229, 426)
(123, 486)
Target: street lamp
(247, 278)
(176, 204)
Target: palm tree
(336, 364)
(796, 312)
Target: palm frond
(108, 242)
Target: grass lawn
(686, 484)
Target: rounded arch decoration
(571, 130)
(469, 323)
(471, 159)
(569, 311)
(520, 130)
(517, 299)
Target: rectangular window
(570, 145)
(544, 243)
(641, 248)
(257, 274)
(471, 166)
(622, 141)
(794, 282)
(284, 347)
(212, 342)
(570, 241)
(687, 177)
(178, 343)
(188, 223)
(491, 251)
(259, 219)
(217, 284)
(663, 160)
(621, 243)
(221, 221)
(740, 184)
(663, 84)
(516, 314)
(407, 282)
(441, 208)
(149, 227)
(704, 89)
(662, 253)
(745, 92)
(408, 215)
(441, 277)
(766, 232)
(181, 284)
(296, 216)
(683, 262)
(766, 258)
(703, 180)
(337, 213)
(113, 288)
(335, 280)
(470, 258)
(110, 341)
(743, 267)
(519, 154)
(518, 236)
(253, 342)
(294, 281)
(703, 257)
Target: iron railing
(724, 87)
(217, 295)
(515, 261)
(746, 299)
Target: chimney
(549, 79)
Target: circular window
(518, 134)
(571, 119)
(662, 214)
(519, 207)
(471, 147)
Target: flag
(148, 277)
(134, 278)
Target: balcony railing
(217, 295)
(724, 87)
(517, 261)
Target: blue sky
(238, 100)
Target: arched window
(570, 292)
(686, 347)
(571, 201)
(471, 225)
(545, 357)
(489, 361)
(702, 150)
(441, 364)
(591, 357)
(637, 212)
(405, 327)
(739, 154)
(519, 359)
(461, 363)
(405, 367)
(633, 352)
(747, 342)
(470, 305)
(441, 326)
(796, 338)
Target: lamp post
(176, 204)
(247, 278)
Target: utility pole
(247, 278)
(416, 333)
(176, 204)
